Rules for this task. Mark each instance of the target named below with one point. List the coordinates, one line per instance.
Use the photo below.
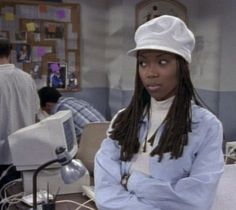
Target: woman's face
(158, 73)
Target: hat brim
(134, 51)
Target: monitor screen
(34, 145)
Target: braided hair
(177, 123)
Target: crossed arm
(195, 192)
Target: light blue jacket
(188, 183)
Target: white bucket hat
(167, 33)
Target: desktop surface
(63, 202)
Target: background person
(18, 101)
(164, 151)
(51, 101)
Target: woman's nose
(152, 71)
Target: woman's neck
(4, 60)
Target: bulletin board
(46, 40)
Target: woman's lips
(153, 87)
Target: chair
(230, 152)
(226, 191)
(90, 141)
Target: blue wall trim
(109, 101)
(97, 97)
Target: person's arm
(195, 192)
(79, 121)
(35, 101)
(109, 193)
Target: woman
(164, 151)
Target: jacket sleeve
(109, 193)
(195, 192)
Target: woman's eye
(142, 64)
(163, 62)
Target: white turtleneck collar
(161, 105)
(158, 112)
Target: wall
(120, 66)
(227, 85)
(212, 69)
(214, 60)
(93, 74)
(107, 30)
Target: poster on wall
(23, 53)
(53, 30)
(38, 51)
(40, 33)
(20, 36)
(4, 35)
(57, 75)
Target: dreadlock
(177, 123)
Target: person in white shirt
(19, 102)
(164, 150)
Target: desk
(230, 160)
(76, 197)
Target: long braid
(126, 126)
(179, 118)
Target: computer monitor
(34, 145)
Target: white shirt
(19, 104)
(159, 110)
